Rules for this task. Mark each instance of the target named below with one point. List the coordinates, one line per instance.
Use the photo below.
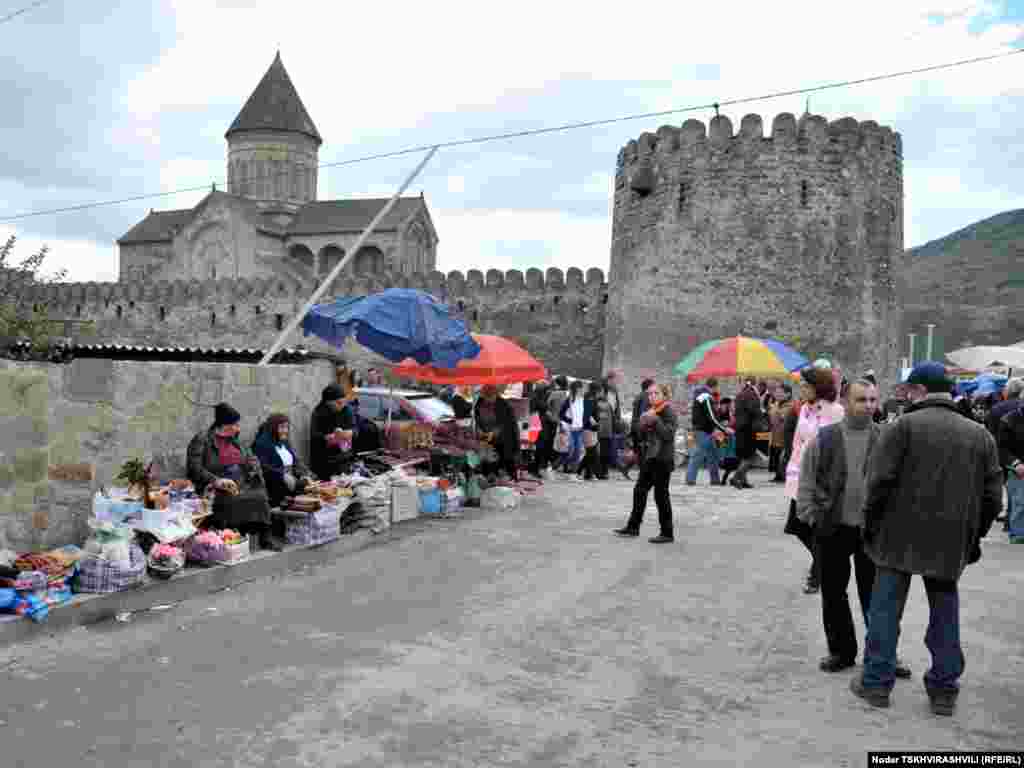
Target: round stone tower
(273, 146)
(797, 235)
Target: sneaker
(835, 664)
(661, 539)
(902, 670)
(627, 531)
(876, 697)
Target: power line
(26, 9)
(541, 131)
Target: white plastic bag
(500, 498)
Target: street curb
(193, 582)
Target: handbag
(562, 442)
(589, 438)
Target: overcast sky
(120, 99)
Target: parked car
(406, 405)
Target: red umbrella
(500, 362)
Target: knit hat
(931, 375)
(274, 421)
(224, 414)
(332, 392)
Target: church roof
(275, 106)
(158, 226)
(324, 217)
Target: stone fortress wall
(797, 233)
(558, 316)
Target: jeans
(705, 453)
(888, 598)
(1015, 506)
(656, 475)
(575, 454)
(834, 553)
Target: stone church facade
(269, 222)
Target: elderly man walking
(934, 490)
(831, 498)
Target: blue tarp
(397, 323)
(985, 384)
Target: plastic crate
(430, 502)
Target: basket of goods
(165, 560)
(206, 548)
(96, 573)
(305, 503)
(317, 527)
(236, 546)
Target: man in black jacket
(831, 495)
(1011, 458)
(1013, 390)
(705, 423)
(934, 490)
(748, 413)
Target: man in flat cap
(934, 489)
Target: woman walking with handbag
(571, 420)
(589, 469)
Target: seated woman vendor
(496, 425)
(283, 470)
(330, 434)
(217, 459)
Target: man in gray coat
(831, 498)
(934, 490)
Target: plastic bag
(500, 498)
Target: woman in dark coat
(590, 468)
(217, 460)
(283, 470)
(496, 424)
(330, 434)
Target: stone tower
(273, 146)
(796, 235)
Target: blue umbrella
(397, 324)
(989, 384)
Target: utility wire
(541, 131)
(17, 13)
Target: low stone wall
(66, 429)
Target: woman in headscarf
(331, 433)
(283, 470)
(818, 393)
(496, 425)
(217, 460)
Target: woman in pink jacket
(818, 391)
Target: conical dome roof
(275, 106)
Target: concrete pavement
(529, 637)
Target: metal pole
(912, 337)
(294, 322)
(931, 329)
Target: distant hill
(1006, 227)
(969, 283)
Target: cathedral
(269, 222)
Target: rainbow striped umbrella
(740, 356)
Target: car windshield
(432, 408)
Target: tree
(21, 319)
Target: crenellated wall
(558, 316)
(793, 233)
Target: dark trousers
(805, 533)
(775, 460)
(545, 447)
(835, 551)
(606, 458)
(656, 475)
(888, 599)
(590, 467)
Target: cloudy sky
(121, 99)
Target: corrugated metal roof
(330, 216)
(183, 354)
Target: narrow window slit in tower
(213, 318)
(118, 311)
(803, 193)
(163, 314)
(279, 322)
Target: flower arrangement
(165, 553)
(206, 547)
(231, 537)
(165, 560)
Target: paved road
(523, 638)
